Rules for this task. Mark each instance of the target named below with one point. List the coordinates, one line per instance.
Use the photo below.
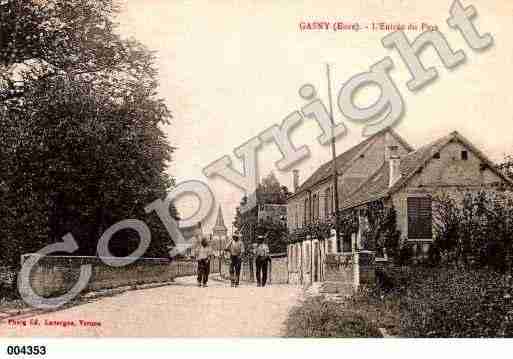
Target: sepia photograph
(255, 169)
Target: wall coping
(91, 259)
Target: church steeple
(220, 229)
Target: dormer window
(464, 155)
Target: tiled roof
(377, 186)
(325, 171)
(374, 188)
(416, 159)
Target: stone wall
(345, 273)
(339, 275)
(55, 275)
(279, 272)
(366, 267)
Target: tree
(276, 234)
(446, 225)
(381, 232)
(479, 230)
(269, 191)
(82, 144)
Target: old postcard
(328, 169)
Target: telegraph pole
(334, 160)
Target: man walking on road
(262, 259)
(235, 248)
(203, 255)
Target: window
(464, 155)
(307, 257)
(346, 243)
(315, 209)
(306, 212)
(296, 257)
(437, 155)
(296, 216)
(420, 218)
(327, 203)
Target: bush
(457, 302)
(9, 285)
(378, 307)
(321, 318)
(493, 255)
(480, 228)
(383, 281)
(434, 257)
(405, 255)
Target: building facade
(383, 170)
(268, 212)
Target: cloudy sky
(230, 69)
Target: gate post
(364, 268)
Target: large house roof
(374, 188)
(415, 161)
(325, 171)
(377, 186)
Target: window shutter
(420, 218)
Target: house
(383, 170)
(270, 212)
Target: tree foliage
(380, 231)
(269, 191)
(82, 143)
(479, 230)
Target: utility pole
(334, 160)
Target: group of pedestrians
(235, 249)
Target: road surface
(178, 310)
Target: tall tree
(82, 143)
(269, 191)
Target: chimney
(394, 164)
(295, 180)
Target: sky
(230, 69)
